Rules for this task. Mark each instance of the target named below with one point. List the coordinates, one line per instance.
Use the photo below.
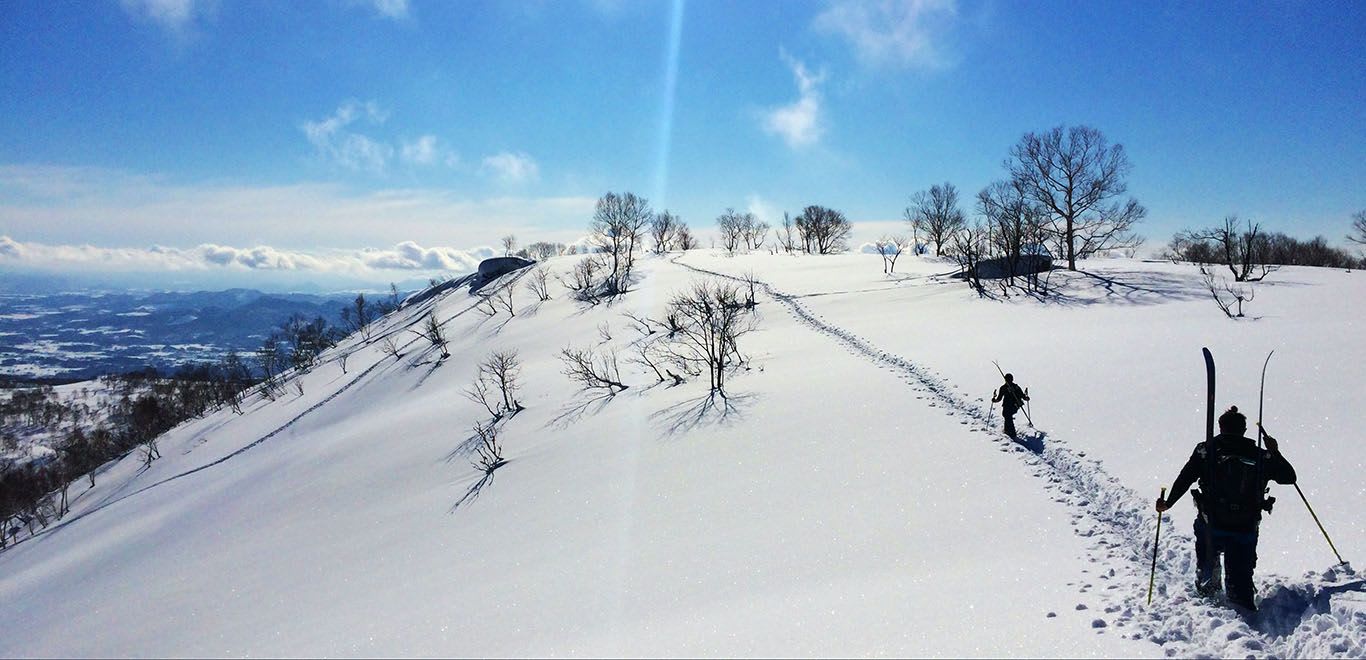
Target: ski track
(1298, 617)
(413, 316)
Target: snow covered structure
(489, 270)
(1000, 267)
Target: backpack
(1233, 489)
(1011, 399)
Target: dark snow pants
(1010, 423)
(1240, 558)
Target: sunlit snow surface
(850, 497)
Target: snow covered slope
(849, 498)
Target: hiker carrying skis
(1229, 506)
(1012, 398)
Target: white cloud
(405, 256)
(175, 16)
(10, 249)
(902, 33)
(800, 123)
(427, 150)
(395, 9)
(55, 204)
(335, 141)
(511, 167)
(338, 139)
(763, 210)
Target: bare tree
(1015, 225)
(756, 231)
(538, 283)
(730, 226)
(645, 353)
(936, 212)
(1358, 234)
(341, 360)
(966, 247)
(1078, 176)
(913, 218)
(488, 452)
(823, 230)
(618, 228)
(357, 316)
(481, 392)
(542, 250)
(502, 370)
(390, 347)
(890, 247)
(786, 235)
(712, 319)
(640, 324)
(583, 282)
(605, 332)
(684, 239)
(509, 244)
(1245, 252)
(431, 331)
(663, 231)
(503, 298)
(593, 371)
(1229, 297)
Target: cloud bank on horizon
(360, 263)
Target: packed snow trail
(414, 316)
(1298, 617)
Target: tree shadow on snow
(475, 489)
(710, 408)
(575, 410)
(1083, 288)
(432, 366)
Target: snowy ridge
(1317, 615)
(412, 318)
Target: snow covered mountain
(852, 495)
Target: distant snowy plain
(852, 496)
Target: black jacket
(1012, 398)
(1274, 467)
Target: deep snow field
(849, 498)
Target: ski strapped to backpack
(1023, 404)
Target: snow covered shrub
(538, 283)
(489, 452)
(496, 385)
(711, 317)
(592, 371)
(431, 331)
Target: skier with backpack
(1233, 473)
(1012, 398)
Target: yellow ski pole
(1316, 522)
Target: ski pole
(1316, 522)
(1152, 575)
(991, 407)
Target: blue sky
(337, 135)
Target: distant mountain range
(78, 335)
